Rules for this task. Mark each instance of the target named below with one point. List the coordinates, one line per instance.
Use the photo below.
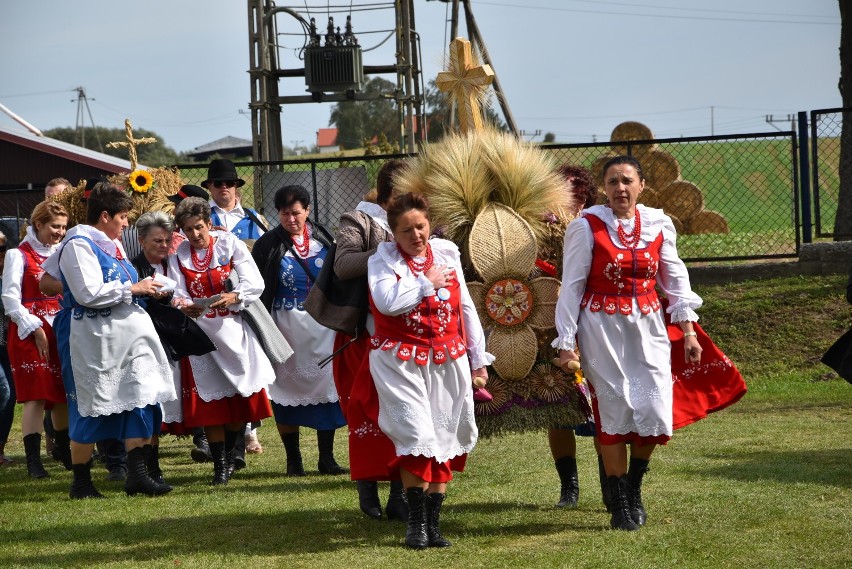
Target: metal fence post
(805, 178)
(316, 194)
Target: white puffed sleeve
(13, 276)
(576, 263)
(394, 295)
(251, 283)
(82, 272)
(673, 279)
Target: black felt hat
(222, 170)
(90, 185)
(189, 191)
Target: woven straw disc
(681, 199)
(632, 130)
(707, 221)
(660, 168)
(514, 349)
(501, 244)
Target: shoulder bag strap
(255, 219)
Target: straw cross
(131, 143)
(465, 83)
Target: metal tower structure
(331, 71)
(80, 128)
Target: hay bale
(649, 197)
(681, 199)
(597, 168)
(631, 130)
(678, 224)
(707, 221)
(660, 168)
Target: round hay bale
(682, 199)
(631, 130)
(707, 221)
(679, 227)
(660, 168)
(649, 197)
(597, 168)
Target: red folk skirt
(34, 378)
(234, 409)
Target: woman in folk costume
(119, 371)
(303, 394)
(615, 255)
(427, 346)
(32, 344)
(370, 451)
(226, 389)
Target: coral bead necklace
(631, 240)
(202, 264)
(418, 267)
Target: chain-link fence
(826, 126)
(731, 197)
(16, 205)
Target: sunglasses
(224, 183)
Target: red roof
(326, 137)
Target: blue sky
(576, 68)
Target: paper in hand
(206, 302)
(168, 284)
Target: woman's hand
(41, 344)
(439, 275)
(226, 299)
(692, 350)
(192, 310)
(479, 377)
(145, 287)
(565, 359)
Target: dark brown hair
(405, 203)
(385, 180)
(108, 198)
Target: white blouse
(13, 276)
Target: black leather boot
(32, 447)
(602, 477)
(415, 533)
(327, 464)
(82, 487)
(230, 454)
(152, 463)
(238, 452)
(368, 498)
(138, 481)
(397, 506)
(569, 492)
(619, 501)
(201, 450)
(294, 454)
(62, 448)
(220, 464)
(434, 501)
(637, 470)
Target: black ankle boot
(230, 454)
(138, 481)
(368, 498)
(32, 447)
(637, 470)
(201, 450)
(152, 463)
(397, 506)
(434, 501)
(220, 464)
(327, 464)
(82, 487)
(415, 533)
(569, 492)
(62, 448)
(294, 454)
(602, 477)
(617, 490)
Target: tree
(152, 155)
(549, 138)
(438, 113)
(843, 220)
(359, 120)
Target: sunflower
(140, 181)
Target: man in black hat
(226, 211)
(188, 191)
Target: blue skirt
(141, 422)
(322, 416)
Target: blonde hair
(46, 211)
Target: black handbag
(180, 335)
(338, 304)
(839, 356)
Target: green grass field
(765, 483)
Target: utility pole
(771, 120)
(80, 128)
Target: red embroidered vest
(201, 284)
(432, 326)
(617, 276)
(31, 297)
